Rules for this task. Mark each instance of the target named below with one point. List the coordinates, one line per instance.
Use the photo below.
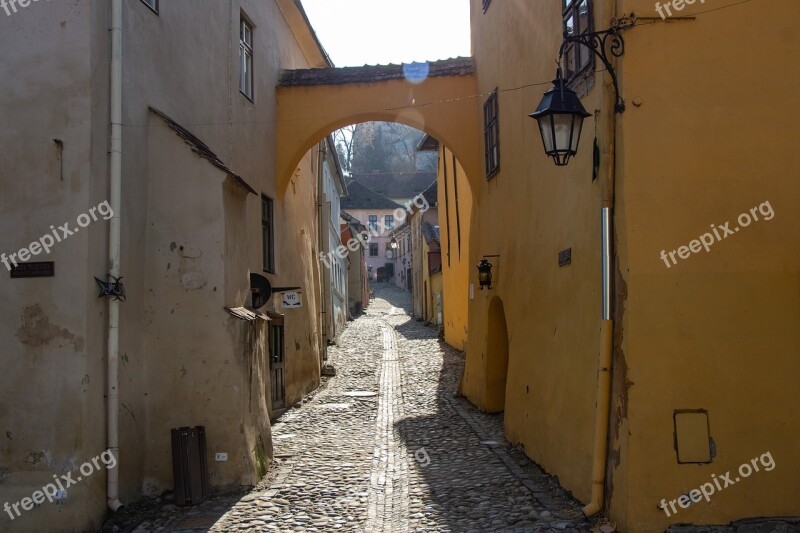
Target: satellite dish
(261, 289)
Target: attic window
(152, 4)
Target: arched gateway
(438, 98)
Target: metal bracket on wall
(605, 44)
(114, 289)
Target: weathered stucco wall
(55, 86)
(51, 336)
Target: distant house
(353, 232)
(403, 276)
(377, 213)
(431, 274)
(400, 187)
(334, 265)
(424, 240)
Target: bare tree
(343, 140)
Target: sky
(378, 32)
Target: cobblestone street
(387, 446)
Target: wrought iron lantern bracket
(606, 45)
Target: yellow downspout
(601, 425)
(603, 400)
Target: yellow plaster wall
(707, 134)
(441, 106)
(709, 138)
(526, 214)
(456, 261)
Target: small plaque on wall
(565, 257)
(42, 269)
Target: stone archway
(496, 357)
(312, 103)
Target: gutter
(603, 399)
(114, 247)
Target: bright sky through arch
(370, 32)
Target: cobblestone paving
(387, 446)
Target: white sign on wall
(292, 299)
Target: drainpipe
(114, 245)
(603, 400)
(322, 230)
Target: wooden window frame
(268, 233)
(491, 135)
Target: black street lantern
(393, 243)
(485, 274)
(560, 115)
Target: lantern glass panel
(562, 125)
(546, 128)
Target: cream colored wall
(54, 79)
(160, 67)
(196, 356)
(51, 336)
(455, 263)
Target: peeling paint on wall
(37, 330)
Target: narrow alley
(387, 446)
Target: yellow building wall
(526, 214)
(455, 212)
(705, 137)
(718, 330)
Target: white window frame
(152, 4)
(246, 58)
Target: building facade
(193, 200)
(378, 214)
(677, 368)
(333, 261)
(355, 238)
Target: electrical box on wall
(692, 439)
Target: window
(577, 21)
(373, 222)
(246, 58)
(268, 233)
(491, 134)
(373, 249)
(486, 5)
(152, 4)
(388, 221)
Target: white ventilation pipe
(114, 245)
